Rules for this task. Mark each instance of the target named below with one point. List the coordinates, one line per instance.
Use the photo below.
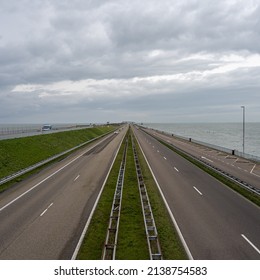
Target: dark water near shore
(227, 135)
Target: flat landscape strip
(171, 246)
(255, 198)
(94, 240)
(21, 153)
(132, 242)
(150, 225)
(110, 246)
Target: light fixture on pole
(244, 109)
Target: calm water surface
(227, 135)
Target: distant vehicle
(116, 132)
(46, 127)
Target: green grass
(131, 236)
(132, 242)
(170, 243)
(94, 240)
(246, 193)
(19, 153)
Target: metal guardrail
(150, 226)
(41, 163)
(216, 169)
(213, 146)
(109, 252)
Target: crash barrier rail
(150, 226)
(43, 162)
(216, 147)
(224, 173)
(109, 251)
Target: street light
(244, 109)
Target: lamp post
(244, 109)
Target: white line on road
(252, 171)
(197, 190)
(46, 210)
(165, 158)
(207, 159)
(158, 151)
(257, 250)
(169, 210)
(48, 177)
(176, 169)
(76, 178)
(95, 206)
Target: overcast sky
(82, 61)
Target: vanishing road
(43, 216)
(216, 222)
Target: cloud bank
(147, 61)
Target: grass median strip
(131, 237)
(132, 242)
(94, 240)
(170, 243)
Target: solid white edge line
(186, 248)
(257, 250)
(76, 251)
(197, 190)
(206, 159)
(48, 177)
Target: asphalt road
(43, 216)
(216, 222)
(244, 169)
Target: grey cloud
(45, 42)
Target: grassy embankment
(19, 153)
(246, 193)
(132, 243)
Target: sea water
(227, 135)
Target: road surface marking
(251, 172)
(187, 250)
(165, 158)
(253, 169)
(176, 169)
(257, 250)
(197, 190)
(76, 178)
(158, 151)
(48, 177)
(207, 159)
(46, 210)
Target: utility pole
(244, 113)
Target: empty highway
(43, 216)
(244, 169)
(216, 222)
